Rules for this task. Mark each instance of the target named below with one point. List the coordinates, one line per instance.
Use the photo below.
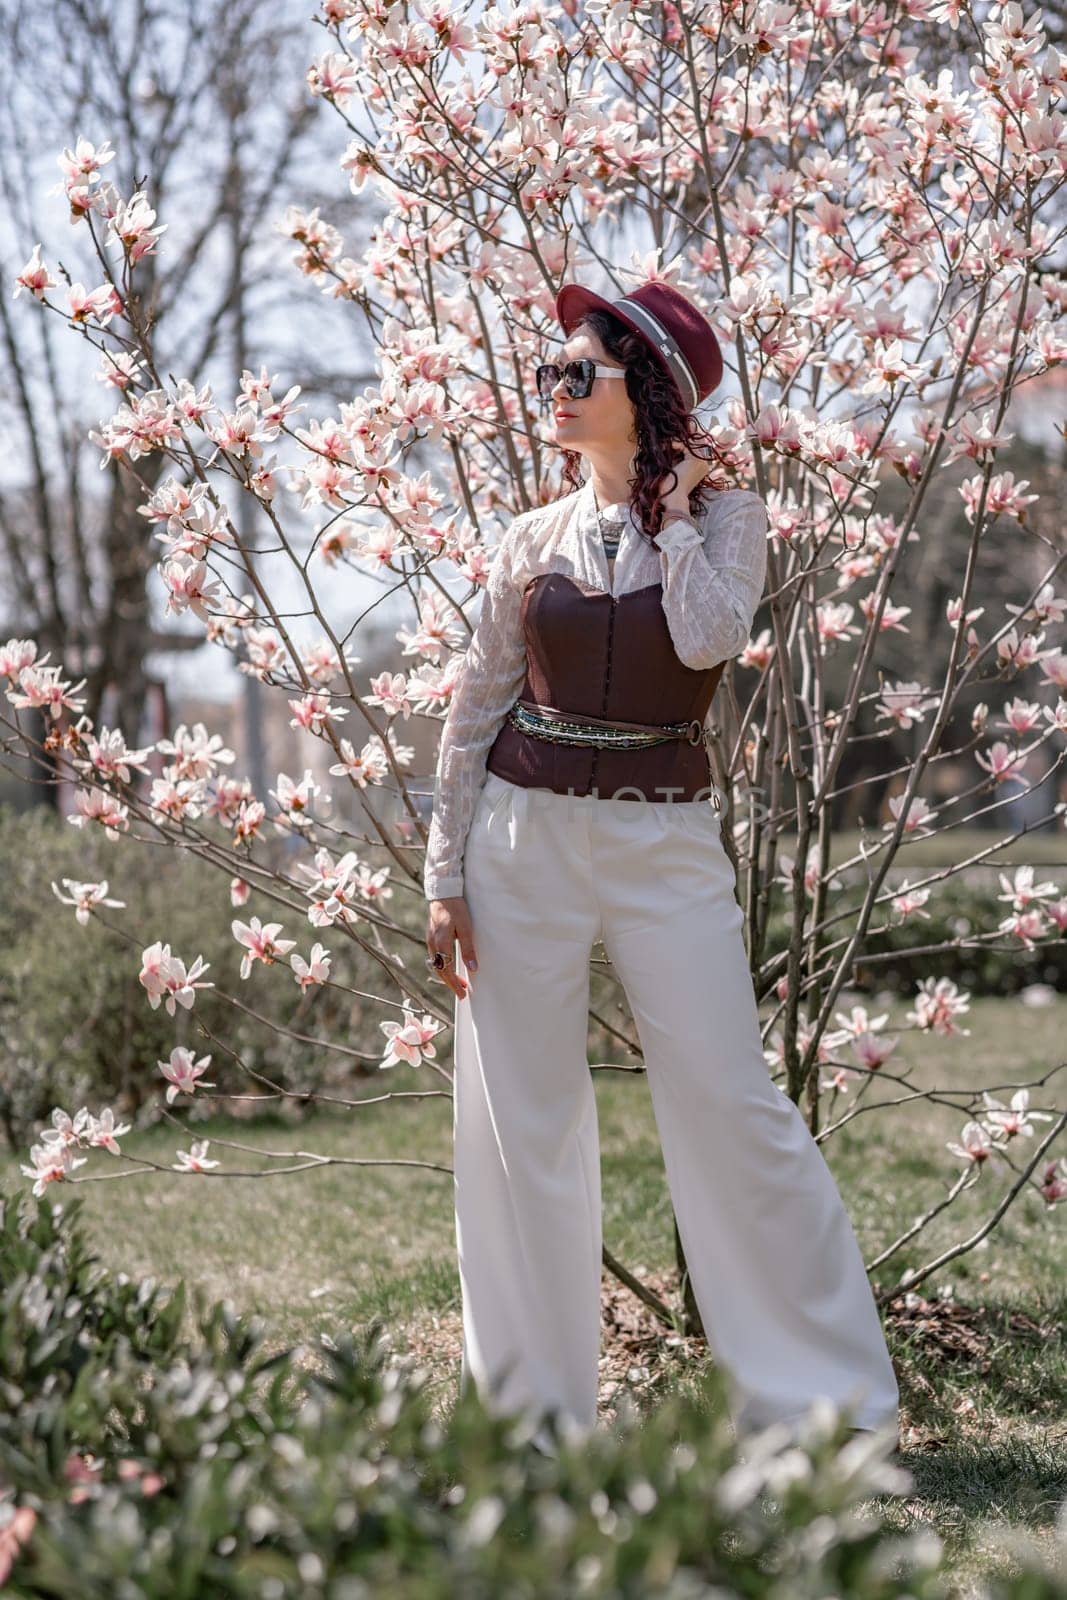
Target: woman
(574, 803)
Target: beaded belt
(564, 727)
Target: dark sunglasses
(577, 375)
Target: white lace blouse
(712, 584)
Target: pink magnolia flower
(977, 438)
(97, 305)
(43, 689)
(195, 1160)
(97, 805)
(145, 424)
(435, 631)
(175, 800)
(273, 414)
(194, 404)
(858, 1022)
(908, 902)
(1057, 910)
(383, 546)
(189, 588)
(787, 870)
(239, 891)
(937, 1005)
(314, 711)
(357, 160)
(164, 977)
(242, 433)
(410, 1040)
(840, 1079)
(373, 885)
(369, 766)
(34, 276)
(334, 76)
(120, 368)
(887, 367)
(132, 226)
(85, 160)
(257, 388)
(330, 888)
(954, 612)
(315, 970)
(1055, 669)
(103, 1132)
(321, 662)
(196, 753)
(50, 1163)
(871, 1051)
(892, 615)
(1026, 926)
(390, 690)
(1014, 1120)
(1002, 762)
(834, 622)
(325, 873)
(327, 440)
(183, 1073)
(336, 542)
(759, 652)
(16, 654)
(1021, 716)
(1047, 607)
(1054, 1180)
(1004, 496)
(1019, 653)
(976, 1146)
(918, 815)
(85, 897)
(293, 799)
(261, 943)
(906, 704)
(1022, 892)
(66, 1129)
(429, 690)
(229, 797)
(108, 756)
(250, 815)
(266, 652)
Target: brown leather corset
(599, 655)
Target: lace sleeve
(713, 580)
(488, 681)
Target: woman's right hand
(449, 920)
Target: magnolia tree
(875, 246)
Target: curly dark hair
(664, 425)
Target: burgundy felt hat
(680, 335)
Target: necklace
(611, 520)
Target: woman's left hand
(691, 470)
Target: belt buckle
(695, 732)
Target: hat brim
(573, 301)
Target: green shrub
(219, 1471)
(75, 1024)
(957, 910)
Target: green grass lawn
(984, 1381)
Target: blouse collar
(618, 511)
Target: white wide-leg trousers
(775, 1265)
